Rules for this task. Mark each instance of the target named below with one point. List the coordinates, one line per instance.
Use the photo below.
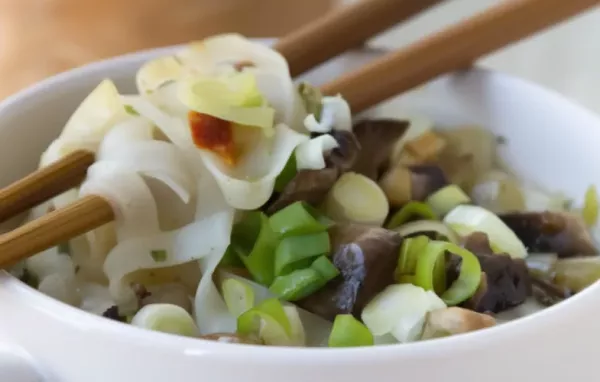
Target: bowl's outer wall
(550, 140)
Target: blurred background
(39, 38)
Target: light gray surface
(565, 58)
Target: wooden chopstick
(311, 45)
(451, 49)
(515, 19)
(344, 29)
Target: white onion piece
(153, 74)
(86, 127)
(309, 154)
(134, 206)
(251, 194)
(334, 115)
(466, 219)
(400, 310)
(174, 127)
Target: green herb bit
(130, 110)
(159, 255)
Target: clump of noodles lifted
(143, 143)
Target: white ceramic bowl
(549, 140)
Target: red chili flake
(214, 134)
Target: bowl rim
(76, 317)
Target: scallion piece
(287, 174)
(355, 198)
(325, 267)
(297, 252)
(347, 331)
(468, 279)
(165, 318)
(410, 210)
(268, 320)
(238, 296)
(409, 253)
(297, 219)
(443, 201)
(590, 207)
(254, 242)
(298, 284)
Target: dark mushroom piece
(366, 257)
(507, 282)
(402, 184)
(312, 186)
(377, 139)
(562, 233)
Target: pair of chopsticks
(451, 49)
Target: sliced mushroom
(402, 184)
(507, 282)
(312, 186)
(377, 139)
(454, 320)
(366, 257)
(562, 233)
(231, 338)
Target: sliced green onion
(355, 198)
(159, 255)
(444, 200)
(273, 323)
(238, 296)
(287, 174)
(577, 273)
(297, 219)
(466, 219)
(425, 226)
(165, 318)
(590, 207)
(410, 210)
(293, 252)
(298, 284)
(325, 267)
(468, 279)
(254, 242)
(411, 249)
(347, 331)
(304, 282)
